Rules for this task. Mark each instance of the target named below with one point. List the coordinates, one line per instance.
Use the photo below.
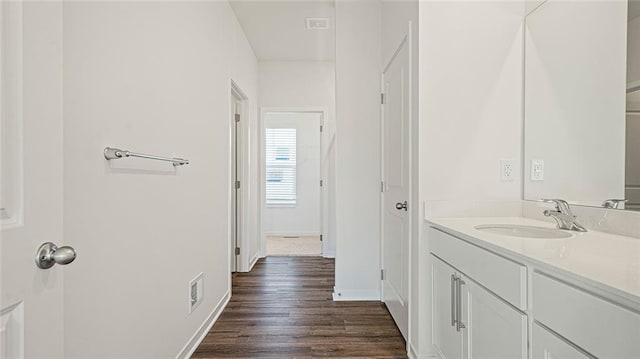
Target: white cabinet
(471, 322)
(495, 329)
(546, 345)
(502, 276)
(597, 325)
(446, 339)
(489, 292)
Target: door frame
(412, 207)
(237, 170)
(323, 111)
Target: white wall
(151, 77)
(358, 51)
(244, 72)
(470, 91)
(470, 114)
(303, 84)
(575, 100)
(303, 218)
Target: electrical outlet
(537, 170)
(195, 292)
(507, 170)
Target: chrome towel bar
(111, 153)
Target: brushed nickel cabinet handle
(459, 324)
(453, 299)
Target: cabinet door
(446, 340)
(546, 345)
(494, 329)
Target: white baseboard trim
(204, 329)
(355, 295)
(253, 261)
(412, 352)
(293, 234)
(329, 254)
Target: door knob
(49, 254)
(401, 205)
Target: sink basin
(515, 230)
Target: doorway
(292, 182)
(238, 112)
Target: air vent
(195, 292)
(317, 23)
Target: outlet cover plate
(508, 170)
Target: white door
(31, 299)
(396, 183)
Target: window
(281, 166)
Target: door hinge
(321, 238)
(381, 274)
(237, 184)
(237, 251)
(382, 186)
(382, 99)
(321, 183)
(321, 128)
(237, 117)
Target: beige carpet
(294, 246)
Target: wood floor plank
(284, 309)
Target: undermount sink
(515, 230)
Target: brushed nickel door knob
(401, 205)
(49, 254)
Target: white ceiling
(277, 32)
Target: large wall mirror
(582, 103)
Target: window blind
(281, 166)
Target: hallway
(283, 309)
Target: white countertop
(608, 261)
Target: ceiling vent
(317, 23)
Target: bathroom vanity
(523, 287)
(496, 295)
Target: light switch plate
(507, 170)
(537, 170)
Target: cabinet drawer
(547, 345)
(592, 323)
(503, 277)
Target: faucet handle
(613, 203)
(557, 201)
(562, 206)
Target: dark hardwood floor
(283, 309)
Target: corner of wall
(204, 329)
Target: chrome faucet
(613, 203)
(563, 215)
